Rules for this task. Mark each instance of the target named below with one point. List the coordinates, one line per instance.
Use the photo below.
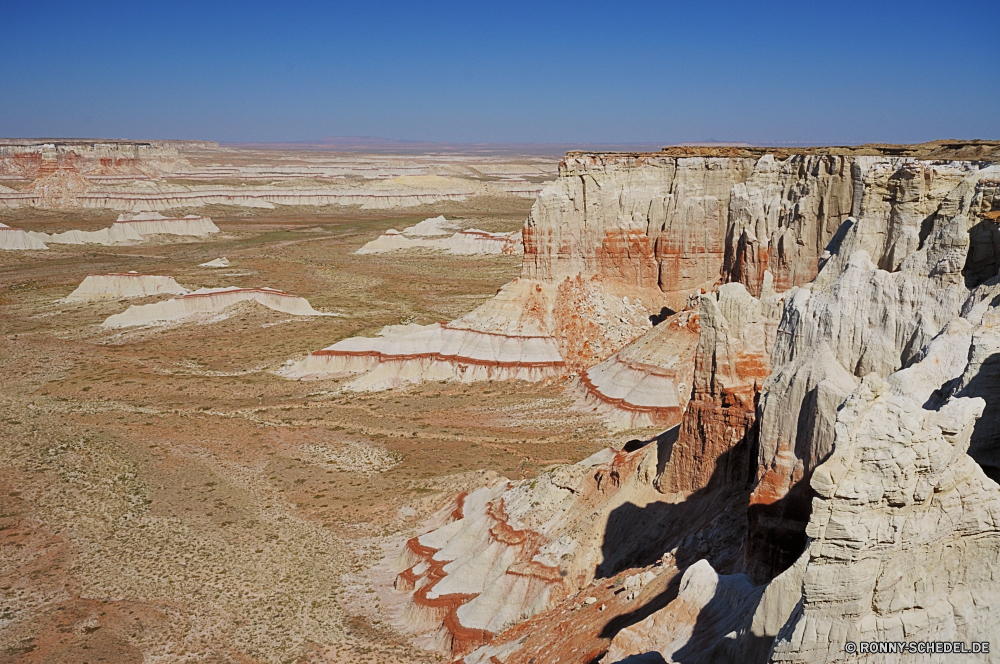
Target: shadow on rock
(709, 524)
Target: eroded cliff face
(905, 532)
(847, 419)
(617, 236)
(854, 319)
(686, 223)
(647, 220)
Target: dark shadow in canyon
(984, 447)
(710, 523)
(665, 313)
(983, 258)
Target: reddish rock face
(628, 255)
(649, 221)
(731, 362)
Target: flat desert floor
(166, 497)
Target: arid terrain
(706, 404)
(166, 497)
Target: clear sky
(578, 72)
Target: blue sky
(573, 72)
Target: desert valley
(301, 404)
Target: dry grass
(165, 497)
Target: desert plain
(166, 496)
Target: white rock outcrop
(504, 553)
(15, 239)
(129, 229)
(708, 606)
(124, 285)
(432, 227)
(207, 301)
(469, 242)
(217, 262)
(521, 334)
(905, 534)
(648, 382)
(855, 405)
(872, 308)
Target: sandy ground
(165, 497)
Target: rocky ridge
(655, 229)
(208, 301)
(841, 415)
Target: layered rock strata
(15, 239)
(207, 301)
(508, 552)
(683, 223)
(123, 286)
(647, 383)
(657, 228)
(135, 228)
(523, 333)
(65, 189)
(841, 413)
(468, 242)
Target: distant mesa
(133, 229)
(123, 286)
(432, 227)
(208, 301)
(137, 176)
(436, 233)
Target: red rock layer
(443, 608)
(583, 335)
(660, 416)
(689, 259)
(648, 382)
(731, 362)
(629, 256)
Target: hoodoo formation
(206, 301)
(829, 421)
(124, 285)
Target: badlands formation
(15, 239)
(128, 229)
(164, 495)
(160, 175)
(427, 235)
(619, 242)
(803, 344)
(207, 301)
(123, 286)
(830, 460)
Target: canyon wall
(845, 410)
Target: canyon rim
(701, 404)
